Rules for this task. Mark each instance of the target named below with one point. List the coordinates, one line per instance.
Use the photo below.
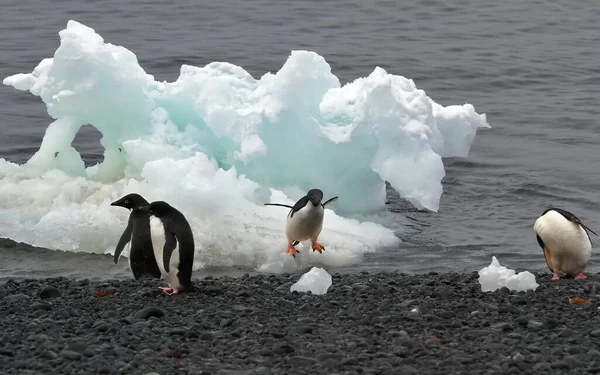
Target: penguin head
(159, 208)
(315, 196)
(130, 201)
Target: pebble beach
(367, 323)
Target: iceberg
(218, 143)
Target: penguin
(173, 246)
(565, 241)
(141, 257)
(305, 220)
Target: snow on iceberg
(218, 143)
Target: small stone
(304, 330)
(406, 369)
(68, 354)
(447, 314)
(277, 334)
(488, 306)
(148, 312)
(49, 354)
(16, 297)
(522, 320)
(213, 291)
(593, 353)
(595, 333)
(178, 331)
(503, 326)
(349, 362)
(566, 332)
(226, 323)
(284, 349)
(49, 292)
(300, 361)
(40, 306)
(61, 315)
(518, 357)
(148, 353)
(78, 347)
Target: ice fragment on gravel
(317, 281)
(495, 276)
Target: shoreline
(365, 324)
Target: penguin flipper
(170, 244)
(540, 242)
(278, 204)
(298, 206)
(547, 255)
(330, 200)
(125, 238)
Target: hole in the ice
(87, 143)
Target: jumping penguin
(173, 246)
(566, 243)
(305, 220)
(141, 258)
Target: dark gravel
(254, 325)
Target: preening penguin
(141, 256)
(305, 220)
(566, 243)
(173, 245)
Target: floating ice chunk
(495, 276)
(317, 281)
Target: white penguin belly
(306, 223)
(157, 233)
(569, 245)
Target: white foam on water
(218, 144)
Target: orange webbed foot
(318, 247)
(292, 250)
(167, 290)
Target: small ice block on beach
(317, 281)
(496, 276)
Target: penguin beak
(115, 203)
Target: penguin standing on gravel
(173, 246)
(566, 243)
(141, 257)
(305, 220)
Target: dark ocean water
(532, 67)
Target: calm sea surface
(533, 67)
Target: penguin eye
(126, 201)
